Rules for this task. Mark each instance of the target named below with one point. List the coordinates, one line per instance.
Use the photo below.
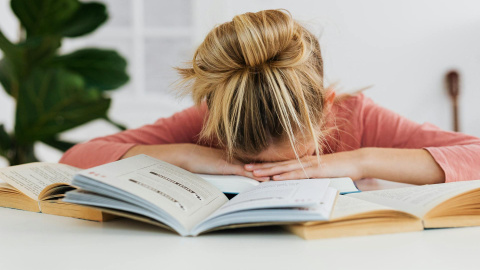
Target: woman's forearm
(413, 166)
(194, 158)
(171, 153)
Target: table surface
(38, 241)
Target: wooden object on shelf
(453, 87)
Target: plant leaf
(87, 18)
(58, 144)
(55, 100)
(7, 78)
(10, 65)
(7, 46)
(101, 69)
(116, 124)
(5, 140)
(39, 50)
(44, 17)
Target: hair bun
(269, 37)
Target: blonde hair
(261, 75)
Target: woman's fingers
(256, 166)
(298, 174)
(238, 169)
(331, 165)
(306, 161)
(283, 168)
(250, 175)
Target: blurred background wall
(402, 48)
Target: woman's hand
(201, 159)
(342, 164)
(195, 158)
(412, 166)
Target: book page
(235, 184)
(417, 200)
(5, 185)
(349, 206)
(273, 194)
(32, 178)
(232, 184)
(183, 195)
(344, 185)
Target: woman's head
(261, 75)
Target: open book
(150, 190)
(234, 184)
(38, 187)
(399, 210)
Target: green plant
(53, 92)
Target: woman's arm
(457, 154)
(414, 166)
(171, 139)
(388, 146)
(182, 127)
(194, 158)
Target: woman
(262, 111)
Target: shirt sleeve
(457, 154)
(182, 127)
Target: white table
(39, 241)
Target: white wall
(402, 48)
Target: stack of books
(149, 190)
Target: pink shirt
(358, 120)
